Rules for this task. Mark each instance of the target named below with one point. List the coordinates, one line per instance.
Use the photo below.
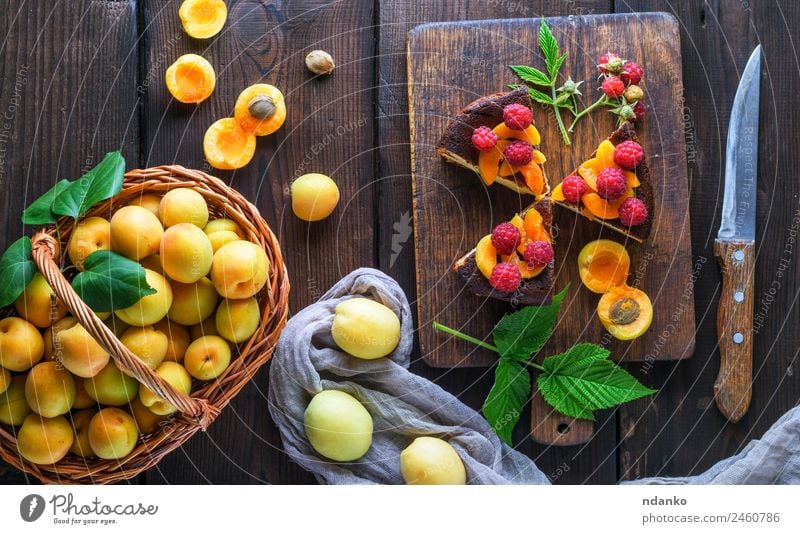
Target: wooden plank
(680, 431)
(591, 463)
(329, 129)
(67, 96)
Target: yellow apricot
(260, 109)
(227, 145)
(314, 197)
(203, 19)
(191, 79)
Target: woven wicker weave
(198, 411)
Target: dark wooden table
(79, 78)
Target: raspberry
(639, 111)
(609, 63)
(633, 93)
(613, 87)
(573, 188)
(518, 153)
(631, 73)
(484, 139)
(611, 183)
(538, 253)
(505, 238)
(517, 116)
(628, 154)
(505, 277)
(632, 212)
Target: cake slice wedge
(595, 197)
(456, 145)
(536, 279)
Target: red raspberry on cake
(611, 183)
(518, 153)
(573, 188)
(538, 253)
(633, 212)
(628, 154)
(631, 73)
(484, 139)
(505, 277)
(517, 116)
(613, 87)
(505, 238)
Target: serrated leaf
(111, 282)
(530, 75)
(16, 270)
(510, 392)
(522, 333)
(100, 183)
(556, 66)
(40, 211)
(540, 97)
(583, 379)
(549, 47)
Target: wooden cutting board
(451, 64)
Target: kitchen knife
(735, 248)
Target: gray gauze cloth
(404, 405)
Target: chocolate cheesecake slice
(533, 291)
(456, 145)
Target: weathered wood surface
(72, 54)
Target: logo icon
(31, 508)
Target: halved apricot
(524, 269)
(227, 146)
(489, 162)
(602, 208)
(529, 134)
(485, 256)
(260, 109)
(202, 19)
(603, 264)
(626, 312)
(556, 194)
(190, 79)
(534, 226)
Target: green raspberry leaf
(549, 46)
(100, 183)
(530, 75)
(16, 270)
(40, 211)
(510, 392)
(111, 282)
(522, 333)
(583, 379)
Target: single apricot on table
(432, 461)
(203, 19)
(314, 197)
(260, 109)
(191, 79)
(626, 312)
(228, 146)
(603, 264)
(338, 426)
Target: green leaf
(510, 392)
(40, 211)
(549, 47)
(583, 379)
(531, 75)
(101, 183)
(540, 97)
(520, 334)
(16, 270)
(111, 282)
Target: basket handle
(45, 249)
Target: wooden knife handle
(733, 387)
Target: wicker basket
(198, 411)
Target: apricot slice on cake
(227, 146)
(202, 19)
(603, 264)
(260, 109)
(489, 162)
(191, 79)
(626, 312)
(485, 256)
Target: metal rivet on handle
(738, 296)
(738, 338)
(738, 255)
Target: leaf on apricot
(100, 183)
(16, 270)
(110, 281)
(40, 211)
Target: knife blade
(735, 248)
